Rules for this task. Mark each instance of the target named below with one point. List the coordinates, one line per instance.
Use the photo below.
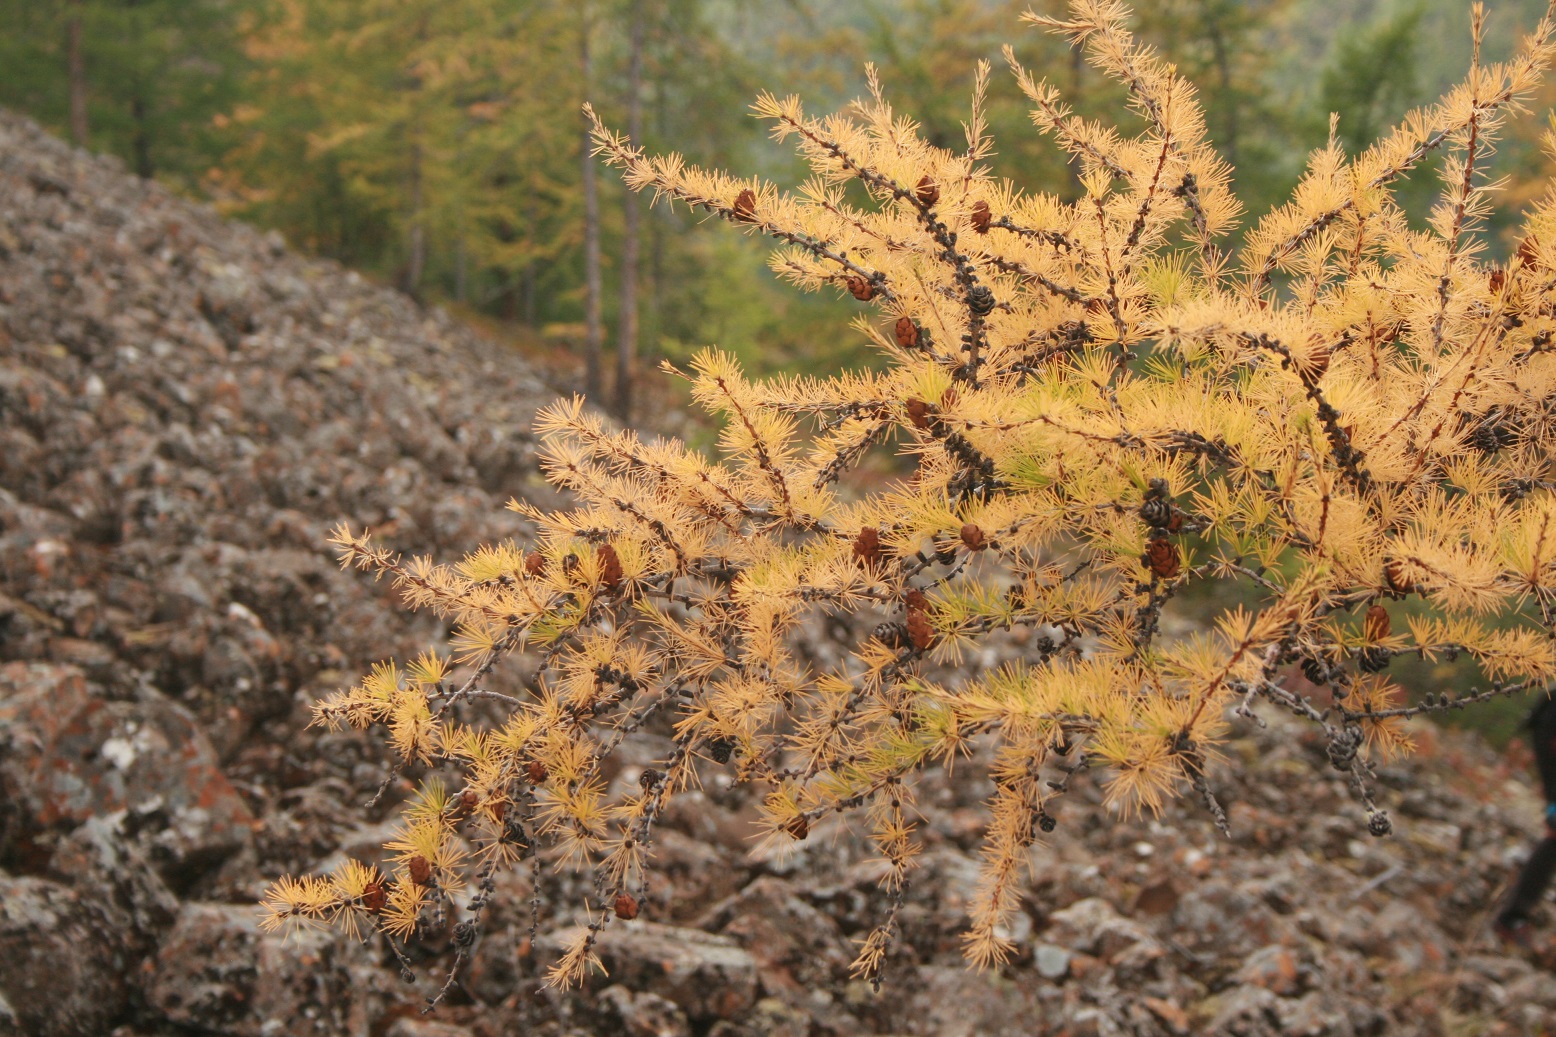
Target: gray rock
(1315, 1015)
(67, 968)
(1276, 968)
(771, 1017)
(98, 856)
(1537, 988)
(708, 976)
(75, 755)
(1051, 961)
(406, 1026)
(953, 1001)
(217, 971)
(1246, 1011)
(1222, 919)
(795, 947)
(641, 1013)
(1092, 926)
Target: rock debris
(186, 408)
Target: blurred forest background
(438, 145)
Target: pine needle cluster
(1104, 405)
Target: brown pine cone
(376, 895)
(1396, 580)
(981, 217)
(1376, 626)
(610, 567)
(867, 545)
(1161, 557)
(920, 631)
(745, 206)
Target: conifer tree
(1104, 406)
(148, 80)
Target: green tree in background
(425, 139)
(439, 143)
(1372, 78)
(150, 79)
(1222, 46)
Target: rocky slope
(185, 410)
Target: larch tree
(1103, 404)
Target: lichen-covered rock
(217, 972)
(74, 755)
(796, 948)
(65, 969)
(707, 975)
(102, 857)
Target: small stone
(1052, 961)
(1274, 968)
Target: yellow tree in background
(430, 128)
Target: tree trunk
(532, 220)
(1223, 59)
(659, 227)
(76, 62)
(416, 237)
(141, 144)
(531, 296)
(627, 341)
(594, 336)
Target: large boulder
(218, 972)
(65, 967)
(72, 754)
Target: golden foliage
(1104, 405)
